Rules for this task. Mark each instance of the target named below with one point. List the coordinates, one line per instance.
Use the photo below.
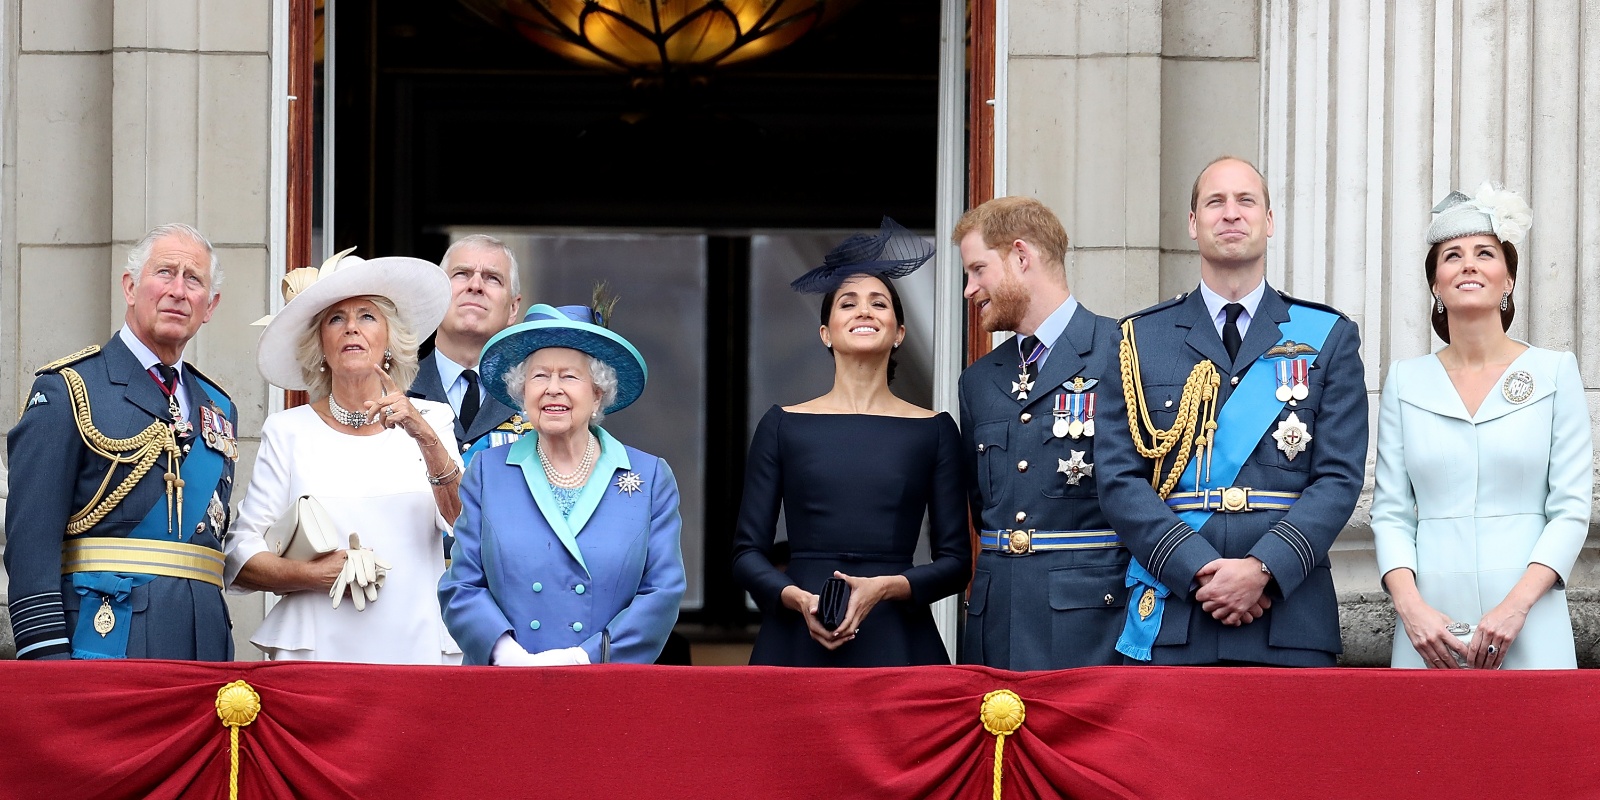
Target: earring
(386, 356)
(1438, 304)
(1505, 302)
(897, 345)
(323, 367)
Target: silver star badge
(629, 482)
(1292, 436)
(1075, 468)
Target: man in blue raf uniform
(1248, 411)
(485, 293)
(121, 473)
(1048, 589)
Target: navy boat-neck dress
(853, 489)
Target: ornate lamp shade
(658, 36)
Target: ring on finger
(1493, 649)
(388, 411)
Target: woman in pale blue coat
(1484, 464)
(567, 548)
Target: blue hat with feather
(581, 328)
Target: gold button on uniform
(980, 448)
(1022, 466)
(1022, 516)
(1025, 417)
(1110, 599)
(1234, 381)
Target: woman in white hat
(382, 466)
(1484, 457)
(567, 549)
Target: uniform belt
(1021, 542)
(1232, 500)
(143, 556)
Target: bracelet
(447, 476)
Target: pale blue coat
(519, 567)
(1469, 502)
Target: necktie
(1029, 344)
(168, 376)
(469, 401)
(1230, 329)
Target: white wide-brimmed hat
(419, 290)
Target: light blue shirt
(148, 360)
(455, 385)
(1219, 317)
(1051, 329)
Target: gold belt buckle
(1235, 499)
(1019, 542)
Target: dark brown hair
(1440, 319)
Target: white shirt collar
(449, 371)
(1054, 325)
(147, 357)
(1215, 303)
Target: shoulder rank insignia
(67, 361)
(38, 399)
(1291, 349)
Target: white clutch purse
(304, 532)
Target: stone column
(121, 116)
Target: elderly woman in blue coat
(567, 548)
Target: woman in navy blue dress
(854, 472)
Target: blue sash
(202, 470)
(1241, 423)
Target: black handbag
(833, 602)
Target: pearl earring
(386, 356)
(323, 367)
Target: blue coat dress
(552, 582)
(1468, 502)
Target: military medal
(1088, 414)
(1284, 393)
(1075, 468)
(1292, 436)
(1024, 382)
(1147, 603)
(104, 620)
(1061, 427)
(1302, 381)
(180, 426)
(1518, 387)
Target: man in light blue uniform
(121, 473)
(485, 294)
(1249, 415)
(1048, 589)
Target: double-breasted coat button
(534, 625)
(1022, 466)
(538, 587)
(579, 588)
(577, 627)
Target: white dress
(1468, 502)
(372, 485)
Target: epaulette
(1309, 304)
(202, 376)
(1163, 305)
(58, 364)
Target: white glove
(362, 574)
(508, 653)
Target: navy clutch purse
(833, 602)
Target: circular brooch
(1518, 386)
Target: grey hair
(483, 241)
(134, 268)
(403, 362)
(601, 374)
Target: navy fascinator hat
(893, 252)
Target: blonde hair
(1004, 220)
(402, 349)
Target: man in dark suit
(121, 473)
(1048, 589)
(1250, 418)
(485, 296)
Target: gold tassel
(1002, 715)
(237, 706)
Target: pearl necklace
(575, 478)
(354, 419)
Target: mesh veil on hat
(419, 290)
(1494, 211)
(580, 328)
(893, 253)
